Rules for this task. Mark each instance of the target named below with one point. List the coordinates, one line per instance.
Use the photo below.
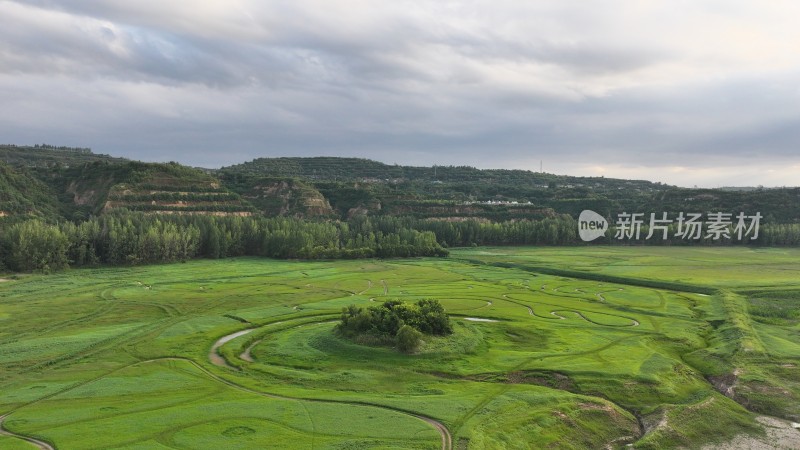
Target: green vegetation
(408, 339)
(74, 184)
(574, 346)
(23, 196)
(448, 192)
(395, 322)
(70, 207)
(43, 155)
(535, 360)
(135, 238)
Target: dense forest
(130, 238)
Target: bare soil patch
(780, 436)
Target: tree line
(563, 230)
(132, 238)
(125, 237)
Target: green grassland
(591, 347)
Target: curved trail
(217, 359)
(214, 356)
(634, 322)
(247, 354)
(369, 286)
(40, 444)
(577, 313)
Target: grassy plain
(581, 348)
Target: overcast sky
(688, 92)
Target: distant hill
(50, 156)
(74, 183)
(361, 186)
(326, 169)
(776, 205)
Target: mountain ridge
(86, 184)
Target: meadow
(580, 347)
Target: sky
(686, 92)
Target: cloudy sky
(689, 92)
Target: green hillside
(159, 188)
(85, 184)
(359, 186)
(23, 195)
(50, 156)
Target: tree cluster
(395, 323)
(130, 238)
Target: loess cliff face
(287, 197)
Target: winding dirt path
(369, 286)
(247, 355)
(213, 354)
(40, 444)
(217, 359)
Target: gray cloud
(653, 89)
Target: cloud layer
(687, 92)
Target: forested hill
(355, 186)
(43, 155)
(359, 169)
(59, 183)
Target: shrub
(408, 339)
(383, 323)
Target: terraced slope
(155, 188)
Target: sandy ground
(781, 435)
